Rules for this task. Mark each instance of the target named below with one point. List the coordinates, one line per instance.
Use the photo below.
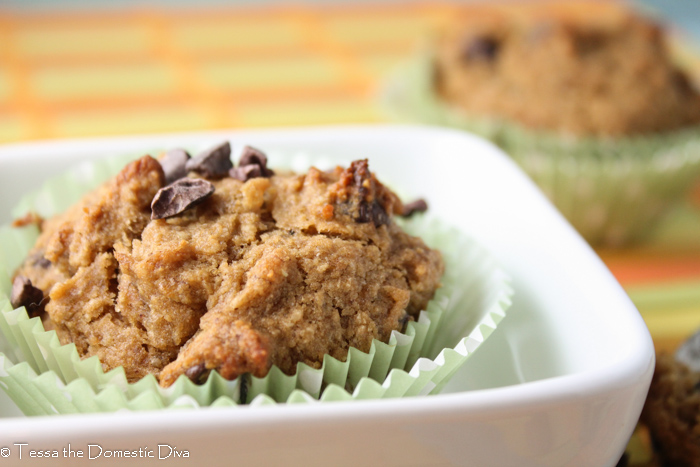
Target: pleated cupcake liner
(44, 377)
(612, 190)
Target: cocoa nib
(197, 374)
(173, 163)
(413, 207)
(252, 164)
(212, 163)
(38, 259)
(372, 212)
(180, 196)
(26, 295)
(246, 172)
(252, 156)
(480, 48)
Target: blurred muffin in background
(584, 96)
(582, 70)
(672, 409)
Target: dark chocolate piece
(252, 156)
(245, 172)
(174, 163)
(212, 163)
(197, 374)
(37, 259)
(26, 295)
(589, 43)
(372, 212)
(252, 164)
(180, 196)
(413, 207)
(689, 352)
(480, 48)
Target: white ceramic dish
(561, 382)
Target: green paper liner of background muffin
(612, 190)
(50, 378)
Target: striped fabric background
(126, 68)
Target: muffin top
(233, 269)
(587, 68)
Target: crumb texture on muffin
(269, 269)
(580, 68)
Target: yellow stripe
(675, 323)
(659, 298)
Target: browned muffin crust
(580, 68)
(275, 270)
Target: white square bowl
(561, 382)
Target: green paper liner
(612, 190)
(50, 378)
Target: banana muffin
(672, 412)
(185, 265)
(586, 96)
(578, 68)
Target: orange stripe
(191, 88)
(695, 194)
(22, 97)
(632, 268)
(251, 51)
(220, 99)
(252, 12)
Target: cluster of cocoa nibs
(183, 193)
